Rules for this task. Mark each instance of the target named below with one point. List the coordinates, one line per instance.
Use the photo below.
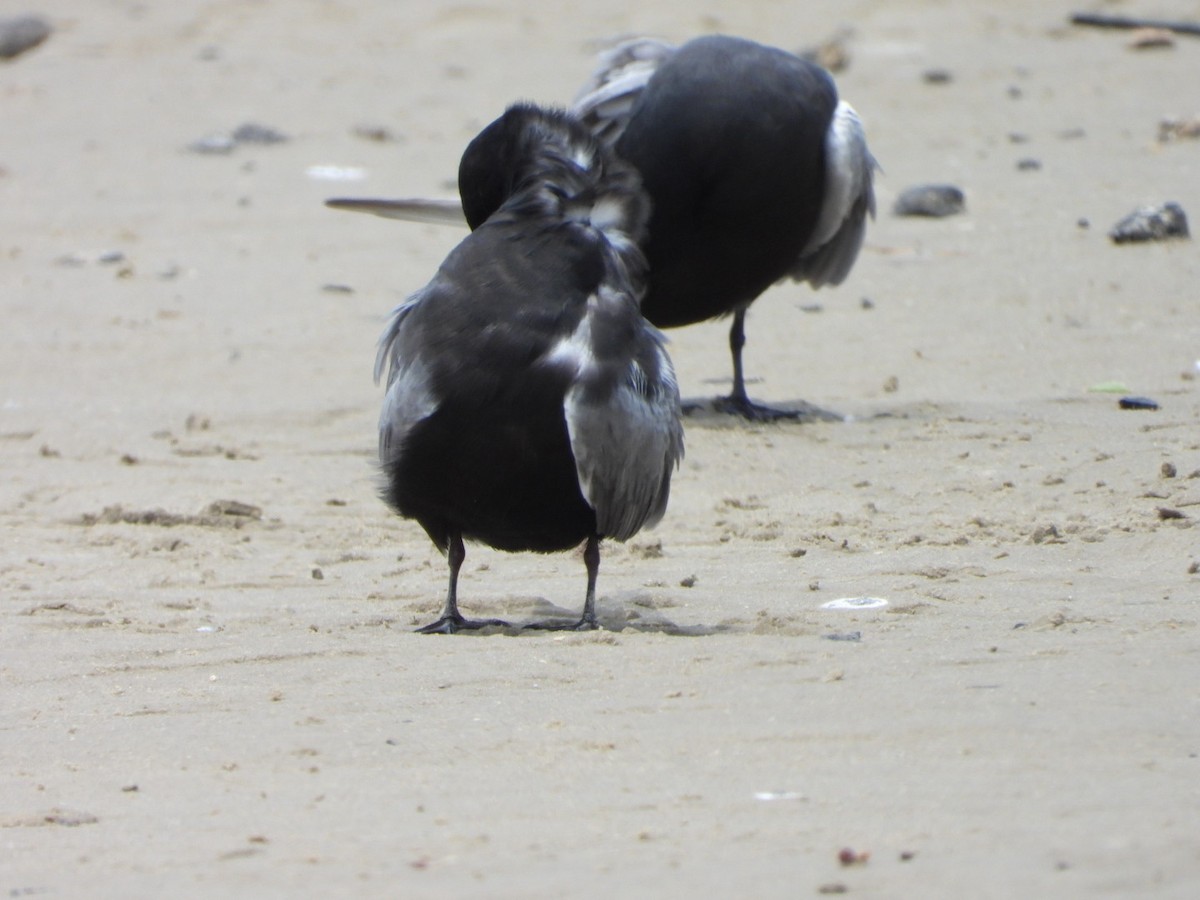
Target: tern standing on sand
(529, 404)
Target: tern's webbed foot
(585, 624)
(455, 623)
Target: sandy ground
(203, 700)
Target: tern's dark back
(494, 459)
(729, 139)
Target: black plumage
(529, 405)
(756, 173)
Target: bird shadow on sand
(629, 611)
(711, 411)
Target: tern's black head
(550, 150)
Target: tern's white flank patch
(574, 352)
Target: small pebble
(1045, 534)
(937, 76)
(1151, 223)
(1137, 403)
(1168, 470)
(832, 55)
(213, 145)
(934, 200)
(378, 133)
(223, 143)
(1178, 129)
(848, 856)
(253, 133)
(98, 258)
(1150, 38)
(1028, 164)
(21, 33)
(851, 636)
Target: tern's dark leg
(591, 559)
(737, 340)
(738, 403)
(451, 620)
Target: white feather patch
(849, 169)
(574, 352)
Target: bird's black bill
(415, 209)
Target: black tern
(530, 406)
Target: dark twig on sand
(1100, 20)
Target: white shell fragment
(930, 200)
(855, 603)
(336, 173)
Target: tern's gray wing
(607, 99)
(849, 199)
(410, 397)
(622, 413)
